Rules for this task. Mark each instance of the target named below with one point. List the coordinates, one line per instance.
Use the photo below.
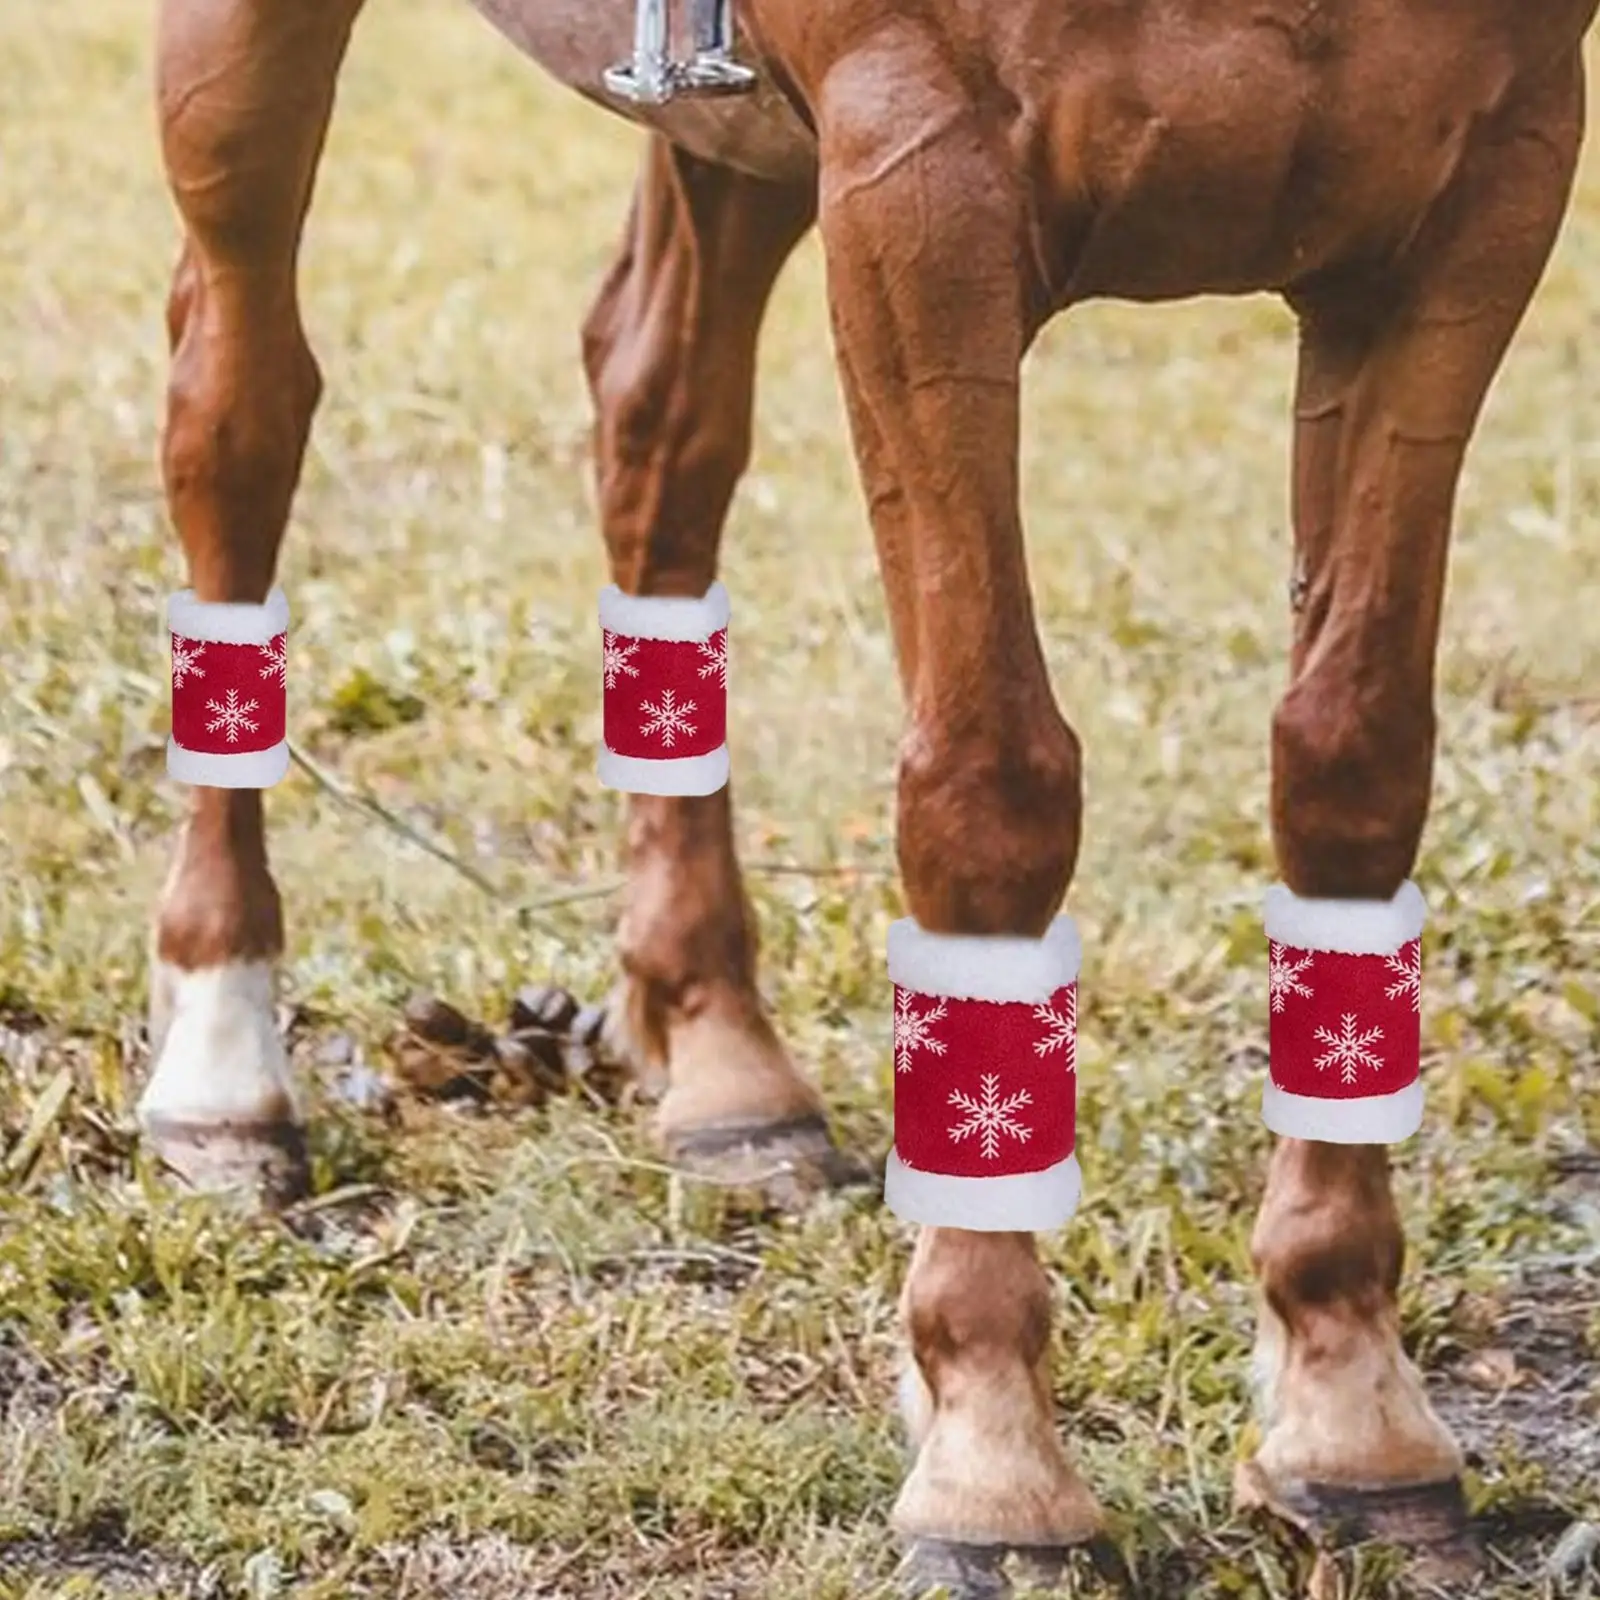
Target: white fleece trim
(984, 966)
(703, 774)
(1349, 927)
(1022, 1202)
(648, 616)
(246, 769)
(1377, 1119)
(224, 622)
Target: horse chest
(577, 40)
(1275, 162)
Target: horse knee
(1351, 770)
(989, 821)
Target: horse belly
(576, 40)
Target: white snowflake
(1063, 1030)
(231, 716)
(991, 1116)
(715, 650)
(1347, 1049)
(911, 1031)
(669, 719)
(186, 655)
(277, 659)
(1408, 969)
(617, 657)
(1283, 978)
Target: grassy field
(511, 1355)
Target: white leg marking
(219, 1055)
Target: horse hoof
(791, 1160)
(1428, 1520)
(264, 1160)
(952, 1570)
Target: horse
(1396, 170)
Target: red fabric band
(984, 1089)
(229, 699)
(665, 698)
(1344, 1027)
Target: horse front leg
(670, 352)
(924, 223)
(245, 91)
(1393, 375)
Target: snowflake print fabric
(913, 1031)
(985, 1057)
(664, 687)
(231, 716)
(228, 699)
(984, 1088)
(656, 701)
(1345, 1026)
(991, 1118)
(186, 655)
(616, 662)
(1283, 978)
(229, 676)
(667, 721)
(1406, 968)
(714, 658)
(274, 663)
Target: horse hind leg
(670, 353)
(245, 89)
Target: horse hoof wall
(1428, 1521)
(944, 1569)
(791, 1161)
(265, 1161)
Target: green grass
(528, 1362)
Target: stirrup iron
(652, 77)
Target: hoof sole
(954, 1571)
(266, 1160)
(790, 1160)
(1427, 1520)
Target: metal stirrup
(652, 77)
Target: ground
(508, 1353)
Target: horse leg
(1393, 375)
(924, 225)
(670, 352)
(245, 90)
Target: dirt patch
(28, 1388)
(1533, 1388)
(113, 1569)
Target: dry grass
(529, 1363)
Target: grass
(518, 1358)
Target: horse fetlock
(975, 1396)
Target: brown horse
(1397, 169)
